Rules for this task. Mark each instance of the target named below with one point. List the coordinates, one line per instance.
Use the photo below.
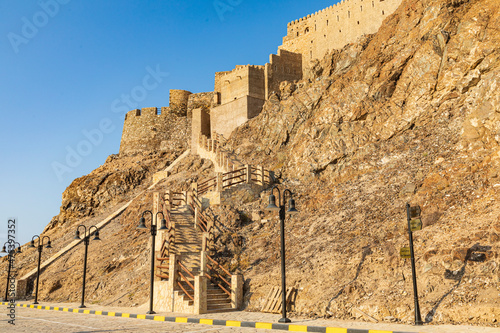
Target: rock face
(109, 184)
(409, 114)
(431, 62)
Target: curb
(213, 322)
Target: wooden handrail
(221, 286)
(233, 183)
(162, 276)
(185, 269)
(185, 291)
(220, 276)
(216, 263)
(206, 181)
(202, 224)
(234, 171)
(233, 177)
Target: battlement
(322, 11)
(335, 26)
(239, 68)
(243, 80)
(147, 112)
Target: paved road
(38, 320)
(34, 321)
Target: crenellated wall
(242, 81)
(155, 129)
(240, 94)
(336, 26)
(284, 66)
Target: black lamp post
(291, 210)
(418, 318)
(40, 247)
(142, 225)
(86, 241)
(11, 253)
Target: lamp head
(3, 250)
(142, 223)
(272, 204)
(96, 235)
(291, 207)
(48, 245)
(163, 225)
(32, 244)
(18, 249)
(77, 234)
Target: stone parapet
(335, 26)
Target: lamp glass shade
(18, 249)
(291, 207)
(48, 246)
(142, 223)
(163, 225)
(272, 203)
(3, 250)
(77, 235)
(32, 243)
(96, 235)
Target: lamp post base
(36, 303)
(150, 312)
(284, 320)
(419, 323)
(82, 306)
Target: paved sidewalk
(237, 321)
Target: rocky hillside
(410, 114)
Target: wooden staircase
(188, 248)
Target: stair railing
(207, 185)
(163, 257)
(213, 272)
(183, 277)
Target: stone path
(115, 319)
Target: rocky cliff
(409, 114)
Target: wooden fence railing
(183, 270)
(215, 273)
(163, 257)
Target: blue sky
(66, 65)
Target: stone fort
(240, 94)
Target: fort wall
(205, 100)
(284, 66)
(218, 80)
(157, 129)
(333, 27)
(226, 117)
(178, 101)
(200, 126)
(240, 94)
(242, 81)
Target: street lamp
(291, 210)
(86, 241)
(142, 226)
(11, 252)
(40, 247)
